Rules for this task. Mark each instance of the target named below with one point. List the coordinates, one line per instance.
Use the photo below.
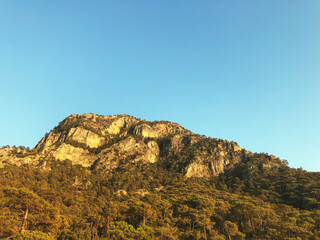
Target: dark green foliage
(257, 197)
(273, 181)
(72, 202)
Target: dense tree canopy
(151, 201)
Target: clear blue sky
(246, 71)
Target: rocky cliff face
(105, 142)
(12, 155)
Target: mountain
(119, 177)
(104, 142)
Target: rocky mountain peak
(106, 142)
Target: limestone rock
(116, 125)
(105, 142)
(48, 141)
(196, 169)
(145, 131)
(269, 165)
(164, 129)
(75, 154)
(81, 135)
(127, 151)
(121, 192)
(142, 192)
(16, 156)
(219, 158)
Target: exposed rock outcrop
(127, 150)
(16, 156)
(81, 135)
(145, 131)
(77, 155)
(212, 157)
(104, 143)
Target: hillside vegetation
(118, 177)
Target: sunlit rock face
(145, 131)
(13, 155)
(213, 158)
(76, 154)
(103, 143)
(81, 135)
(128, 150)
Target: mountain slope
(119, 177)
(105, 142)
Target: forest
(59, 200)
